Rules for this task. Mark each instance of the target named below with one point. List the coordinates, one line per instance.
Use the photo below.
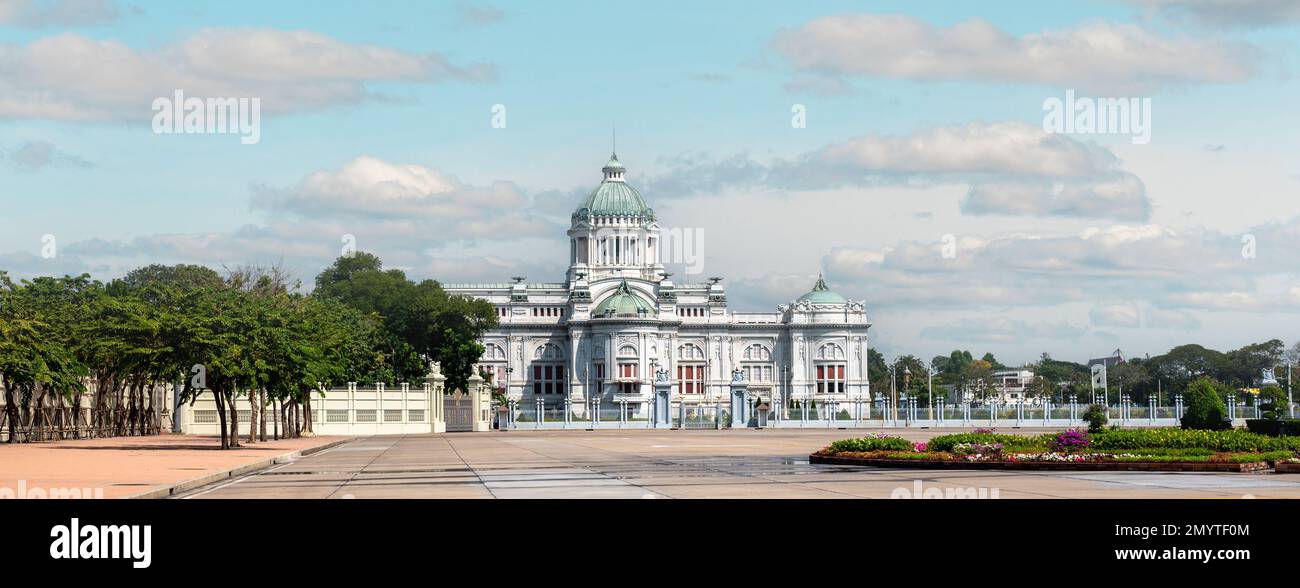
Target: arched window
(757, 352)
(830, 351)
(830, 369)
(493, 352)
(690, 352)
(627, 351)
(548, 370)
(549, 351)
(757, 364)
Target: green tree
(1204, 408)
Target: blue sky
(923, 120)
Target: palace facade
(617, 321)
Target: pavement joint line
(368, 464)
(207, 479)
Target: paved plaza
(120, 467)
(770, 463)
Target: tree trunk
(11, 410)
(306, 417)
(252, 416)
(234, 420)
(221, 417)
(261, 421)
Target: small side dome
(820, 294)
(623, 304)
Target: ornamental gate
(459, 408)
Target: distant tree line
(250, 335)
(960, 373)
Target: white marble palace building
(617, 320)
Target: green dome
(623, 303)
(820, 294)
(613, 197)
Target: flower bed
(1115, 450)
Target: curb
(167, 491)
(1126, 466)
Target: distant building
(1115, 358)
(1009, 387)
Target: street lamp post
(930, 393)
(893, 394)
(907, 381)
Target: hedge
(1009, 442)
(1230, 440)
(871, 444)
(1274, 428)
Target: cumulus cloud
(41, 14)
(405, 196)
(1171, 271)
(74, 77)
(1224, 13)
(1011, 169)
(1001, 330)
(34, 156)
(1115, 315)
(1099, 55)
(414, 217)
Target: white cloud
(1099, 55)
(1115, 315)
(406, 197)
(1011, 169)
(1001, 330)
(1167, 270)
(74, 77)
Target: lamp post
(893, 393)
(1290, 402)
(907, 381)
(930, 393)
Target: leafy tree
(1205, 408)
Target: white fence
(379, 410)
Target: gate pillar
(739, 403)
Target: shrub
(1070, 441)
(1274, 428)
(1205, 409)
(1096, 417)
(1229, 440)
(947, 442)
(1273, 401)
(872, 443)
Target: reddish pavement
(127, 466)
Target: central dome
(614, 197)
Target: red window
(690, 379)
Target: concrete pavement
(638, 464)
